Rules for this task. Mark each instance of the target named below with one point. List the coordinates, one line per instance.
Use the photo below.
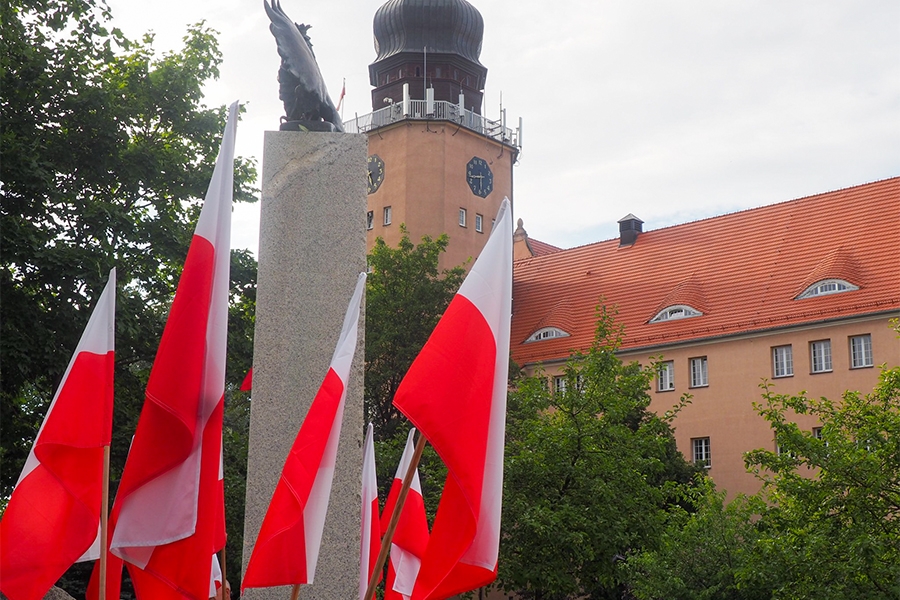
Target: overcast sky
(671, 110)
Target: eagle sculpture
(306, 101)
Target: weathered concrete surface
(311, 249)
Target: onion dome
(442, 26)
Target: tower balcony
(437, 110)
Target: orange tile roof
(539, 248)
(741, 270)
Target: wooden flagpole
(395, 517)
(224, 574)
(295, 592)
(104, 522)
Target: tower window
(479, 223)
(462, 217)
(387, 215)
(370, 219)
(418, 74)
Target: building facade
(796, 295)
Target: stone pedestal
(312, 246)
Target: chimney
(629, 229)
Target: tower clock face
(376, 172)
(479, 177)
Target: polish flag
(287, 547)
(168, 517)
(370, 533)
(455, 393)
(341, 99)
(411, 535)
(53, 517)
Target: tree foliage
(106, 155)
(590, 474)
(833, 528)
(406, 294)
(825, 526)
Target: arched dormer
(826, 287)
(546, 333)
(677, 311)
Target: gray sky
(671, 110)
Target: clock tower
(435, 163)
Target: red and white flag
(341, 99)
(411, 535)
(370, 532)
(287, 547)
(53, 517)
(455, 393)
(168, 514)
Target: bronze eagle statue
(307, 105)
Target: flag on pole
(455, 393)
(247, 384)
(411, 535)
(341, 98)
(287, 547)
(167, 517)
(370, 533)
(53, 517)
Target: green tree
(590, 474)
(106, 154)
(833, 526)
(406, 294)
(702, 555)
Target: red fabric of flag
(53, 516)
(168, 517)
(411, 535)
(287, 547)
(455, 394)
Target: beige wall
(425, 185)
(723, 411)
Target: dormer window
(827, 286)
(546, 333)
(679, 311)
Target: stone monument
(311, 250)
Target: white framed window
(559, 384)
(825, 287)
(479, 223)
(861, 351)
(782, 361)
(370, 219)
(699, 374)
(387, 215)
(701, 452)
(462, 217)
(546, 333)
(665, 376)
(678, 311)
(817, 432)
(820, 356)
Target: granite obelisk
(312, 248)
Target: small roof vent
(629, 229)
